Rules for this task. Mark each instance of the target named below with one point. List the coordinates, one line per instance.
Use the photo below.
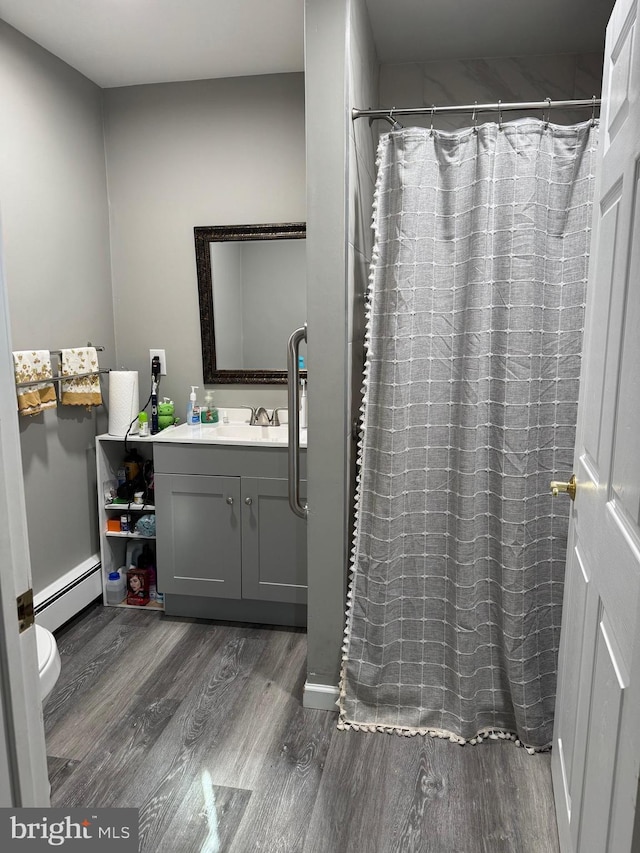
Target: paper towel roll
(124, 402)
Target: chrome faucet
(261, 417)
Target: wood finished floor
(200, 724)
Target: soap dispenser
(209, 414)
(214, 416)
(193, 414)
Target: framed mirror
(252, 291)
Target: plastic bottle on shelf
(115, 588)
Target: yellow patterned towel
(85, 391)
(33, 366)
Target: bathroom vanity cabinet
(228, 545)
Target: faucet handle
(252, 411)
(276, 419)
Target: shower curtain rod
(390, 115)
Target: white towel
(33, 366)
(85, 391)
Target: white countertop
(223, 434)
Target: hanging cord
(126, 448)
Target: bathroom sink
(252, 433)
(266, 436)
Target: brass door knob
(230, 501)
(248, 501)
(570, 487)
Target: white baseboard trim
(67, 596)
(322, 697)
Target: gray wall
(209, 152)
(340, 166)
(465, 81)
(53, 204)
(325, 28)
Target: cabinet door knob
(230, 500)
(248, 501)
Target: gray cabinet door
(198, 535)
(274, 543)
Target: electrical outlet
(163, 360)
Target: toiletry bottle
(115, 588)
(212, 409)
(195, 413)
(191, 419)
(303, 405)
(205, 411)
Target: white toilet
(48, 661)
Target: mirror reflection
(253, 294)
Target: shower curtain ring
(499, 115)
(433, 109)
(474, 118)
(593, 111)
(547, 119)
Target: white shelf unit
(110, 454)
(113, 534)
(126, 507)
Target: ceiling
(408, 30)
(126, 42)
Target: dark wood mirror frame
(218, 234)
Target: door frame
(23, 757)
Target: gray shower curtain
(476, 303)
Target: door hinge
(25, 610)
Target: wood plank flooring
(200, 726)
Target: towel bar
(59, 377)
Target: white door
(23, 762)
(596, 745)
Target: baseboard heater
(67, 596)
